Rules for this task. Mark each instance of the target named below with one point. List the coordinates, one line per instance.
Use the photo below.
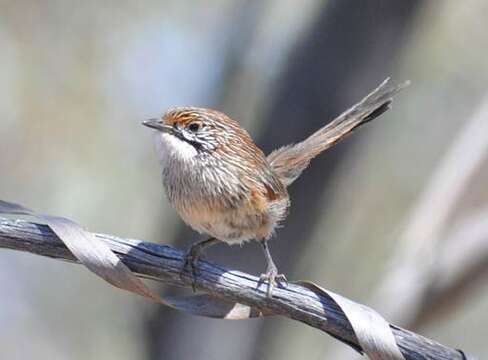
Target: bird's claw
(273, 279)
(190, 265)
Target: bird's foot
(273, 279)
(190, 265)
(191, 259)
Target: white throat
(169, 148)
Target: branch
(163, 263)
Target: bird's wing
(289, 161)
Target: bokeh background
(393, 217)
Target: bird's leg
(271, 276)
(192, 256)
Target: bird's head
(187, 132)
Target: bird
(223, 185)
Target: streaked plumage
(213, 187)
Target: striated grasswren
(222, 184)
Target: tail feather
(289, 161)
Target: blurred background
(395, 217)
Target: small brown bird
(222, 184)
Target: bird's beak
(158, 125)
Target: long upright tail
(289, 161)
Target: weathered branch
(163, 263)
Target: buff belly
(232, 225)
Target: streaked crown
(205, 129)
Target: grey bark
(163, 263)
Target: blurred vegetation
(78, 77)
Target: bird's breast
(215, 197)
(228, 211)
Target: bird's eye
(194, 127)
